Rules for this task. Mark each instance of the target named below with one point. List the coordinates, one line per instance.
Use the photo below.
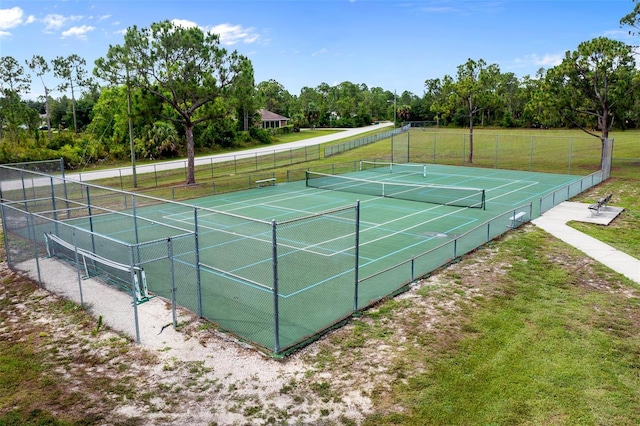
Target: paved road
(253, 152)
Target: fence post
(3, 217)
(530, 153)
(53, 205)
(132, 273)
(357, 256)
(89, 211)
(197, 248)
(276, 312)
(75, 253)
(173, 282)
(435, 143)
(32, 233)
(570, 154)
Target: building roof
(271, 116)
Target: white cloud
(322, 51)
(546, 60)
(4, 34)
(232, 34)
(229, 34)
(10, 18)
(55, 21)
(78, 32)
(183, 23)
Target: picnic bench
(600, 204)
(268, 181)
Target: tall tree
(468, 90)
(13, 82)
(245, 96)
(186, 69)
(74, 75)
(593, 85)
(41, 67)
(273, 97)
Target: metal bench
(600, 204)
(517, 219)
(268, 181)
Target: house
(271, 120)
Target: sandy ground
(236, 379)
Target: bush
(260, 135)
(71, 156)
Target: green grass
(624, 232)
(546, 348)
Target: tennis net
(435, 194)
(385, 167)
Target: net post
(424, 170)
(484, 200)
(360, 165)
(276, 310)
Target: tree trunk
(48, 111)
(191, 171)
(73, 107)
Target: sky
(392, 44)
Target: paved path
(555, 221)
(249, 153)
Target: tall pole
(395, 109)
(133, 151)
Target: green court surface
(317, 281)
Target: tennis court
(280, 264)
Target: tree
(244, 94)
(184, 68)
(274, 97)
(468, 90)
(40, 66)
(71, 70)
(593, 85)
(311, 113)
(632, 19)
(13, 81)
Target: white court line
(309, 192)
(270, 241)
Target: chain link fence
(274, 284)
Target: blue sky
(395, 45)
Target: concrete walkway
(555, 221)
